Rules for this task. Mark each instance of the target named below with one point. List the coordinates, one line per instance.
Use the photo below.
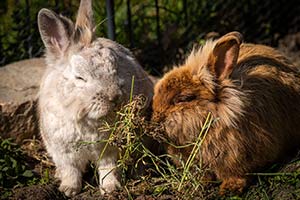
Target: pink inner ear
(54, 32)
(226, 56)
(229, 58)
(56, 39)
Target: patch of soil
(37, 192)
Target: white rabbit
(86, 80)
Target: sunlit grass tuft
(132, 132)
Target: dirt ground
(281, 184)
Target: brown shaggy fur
(252, 90)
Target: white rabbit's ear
(84, 26)
(56, 32)
(224, 55)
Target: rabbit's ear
(84, 25)
(225, 54)
(56, 31)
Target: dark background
(159, 32)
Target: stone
(19, 85)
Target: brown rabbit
(253, 91)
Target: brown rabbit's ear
(224, 55)
(56, 31)
(84, 25)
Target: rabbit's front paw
(70, 180)
(233, 184)
(110, 183)
(70, 189)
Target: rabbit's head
(83, 69)
(185, 95)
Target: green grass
(17, 163)
(13, 168)
(128, 134)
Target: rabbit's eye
(184, 98)
(80, 78)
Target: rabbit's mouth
(95, 112)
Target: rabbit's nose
(115, 98)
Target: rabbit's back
(264, 60)
(272, 86)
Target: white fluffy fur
(82, 87)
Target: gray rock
(19, 85)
